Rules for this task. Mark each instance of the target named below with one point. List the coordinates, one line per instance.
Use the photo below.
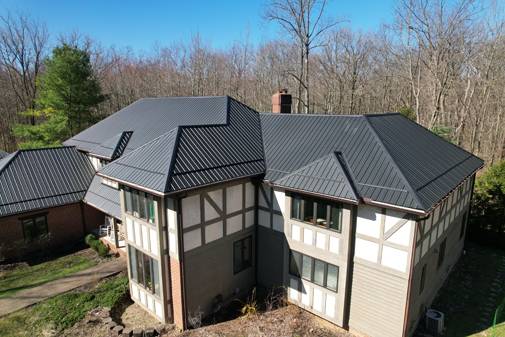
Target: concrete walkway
(27, 297)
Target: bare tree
(305, 22)
(23, 46)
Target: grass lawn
(12, 281)
(472, 293)
(51, 316)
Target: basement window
(242, 254)
(34, 227)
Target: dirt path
(25, 298)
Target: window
(423, 279)
(332, 277)
(34, 227)
(314, 270)
(441, 253)
(144, 270)
(335, 218)
(139, 204)
(128, 200)
(319, 272)
(296, 208)
(307, 267)
(242, 254)
(463, 225)
(317, 212)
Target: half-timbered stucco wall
(213, 219)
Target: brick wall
(177, 295)
(65, 227)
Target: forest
(440, 63)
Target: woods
(439, 62)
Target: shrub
(96, 245)
(250, 307)
(89, 238)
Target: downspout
(350, 268)
(409, 284)
(180, 235)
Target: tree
(23, 46)
(69, 93)
(304, 21)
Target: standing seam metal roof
(187, 142)
(191, 156)
(35, 179)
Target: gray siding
(209, 273)
(377, 302)
(270, 257)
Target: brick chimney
(281, 102)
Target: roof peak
(385, 114)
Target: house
(40, 200)
(361, 218)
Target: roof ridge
(175, 153)
(402, 175)
(46, 148)
(347, 171)
(9, 160)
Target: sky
(144, 24)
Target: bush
(89, 238)
(96, 245)
(488, 205)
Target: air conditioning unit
(434, 322)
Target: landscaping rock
(126, 333)
(107, 320)
(137, 333)
(117, 330)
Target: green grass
(467, 294)
(63, 311)
(12, 281)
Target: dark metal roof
(326, 176)
(113, 147)
(191, 156)
(186, 142)
(150, 118)
(382, 153)
(148, 166)
(104, 198)
(35, 179)
(432, 166)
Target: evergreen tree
(68, 96)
